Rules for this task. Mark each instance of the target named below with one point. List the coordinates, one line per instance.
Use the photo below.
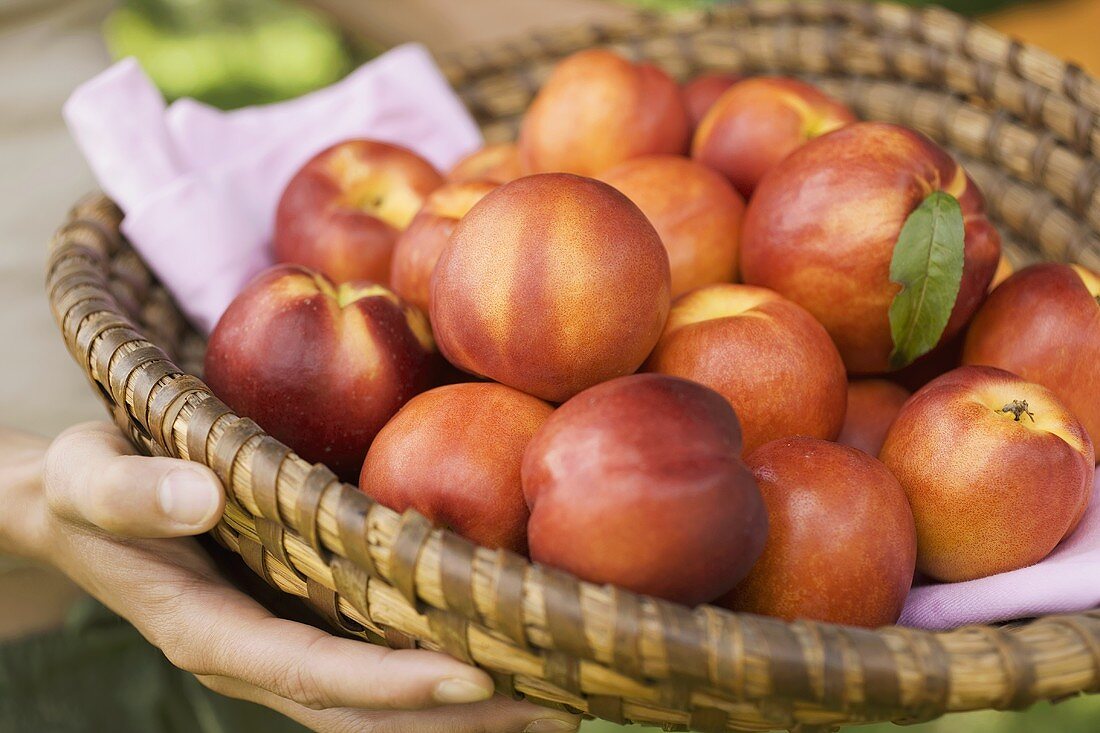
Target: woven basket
(1026, 127)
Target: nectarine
(997, 471)
(760, 121)
(694, 210)
(1043, 323)
(342, 212)
(637, 482)
(550, 284)
(703, 91)
(767, 356)
(320, 367)
(453, 453)
(497, 163)
(872, 406)
(598, 109)
(822, 225)
(841, 543)
(419, 246)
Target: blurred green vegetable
(229, 52)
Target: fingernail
(455, 691)
(550, 725)
(188, 497)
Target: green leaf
(928, 264)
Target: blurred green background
(232, 53)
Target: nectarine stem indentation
(1018, 408)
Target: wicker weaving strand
(1026, 126)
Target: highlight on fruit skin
(997, 470)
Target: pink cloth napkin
(199, 186)
(1068, 581)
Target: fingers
(90, 476)
(340, 720)
(498, 715)
(235, 637)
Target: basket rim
(543, 612)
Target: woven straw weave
(1027, 127)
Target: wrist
(23, 519)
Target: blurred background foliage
(231, 53)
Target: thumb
(91, 476)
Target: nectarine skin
(760, 121)
(342, 212)
(694, 210)
(497, 163)
(1043, 323)
(990, 493)
(637, 482)
(551, 284)
(598, 109)
(419, 246)
(873, 404)
(767, 356)
(703, 91)
(453, 453)
(822, 225)
(320, 367)
(841, 544)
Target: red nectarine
(822, 225)
(997, 471)
(598, 109)
(1043, 323)
(318, 366)
(453, 453)
(694, 210)
(342, 212)
(760, 121)
(419, 246)
(551, 284)
(841, 544)
(637, 482)
(767, 356)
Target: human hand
(118, 525)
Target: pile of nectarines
(781, 275)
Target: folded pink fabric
(199, 186)
(1068, 581)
